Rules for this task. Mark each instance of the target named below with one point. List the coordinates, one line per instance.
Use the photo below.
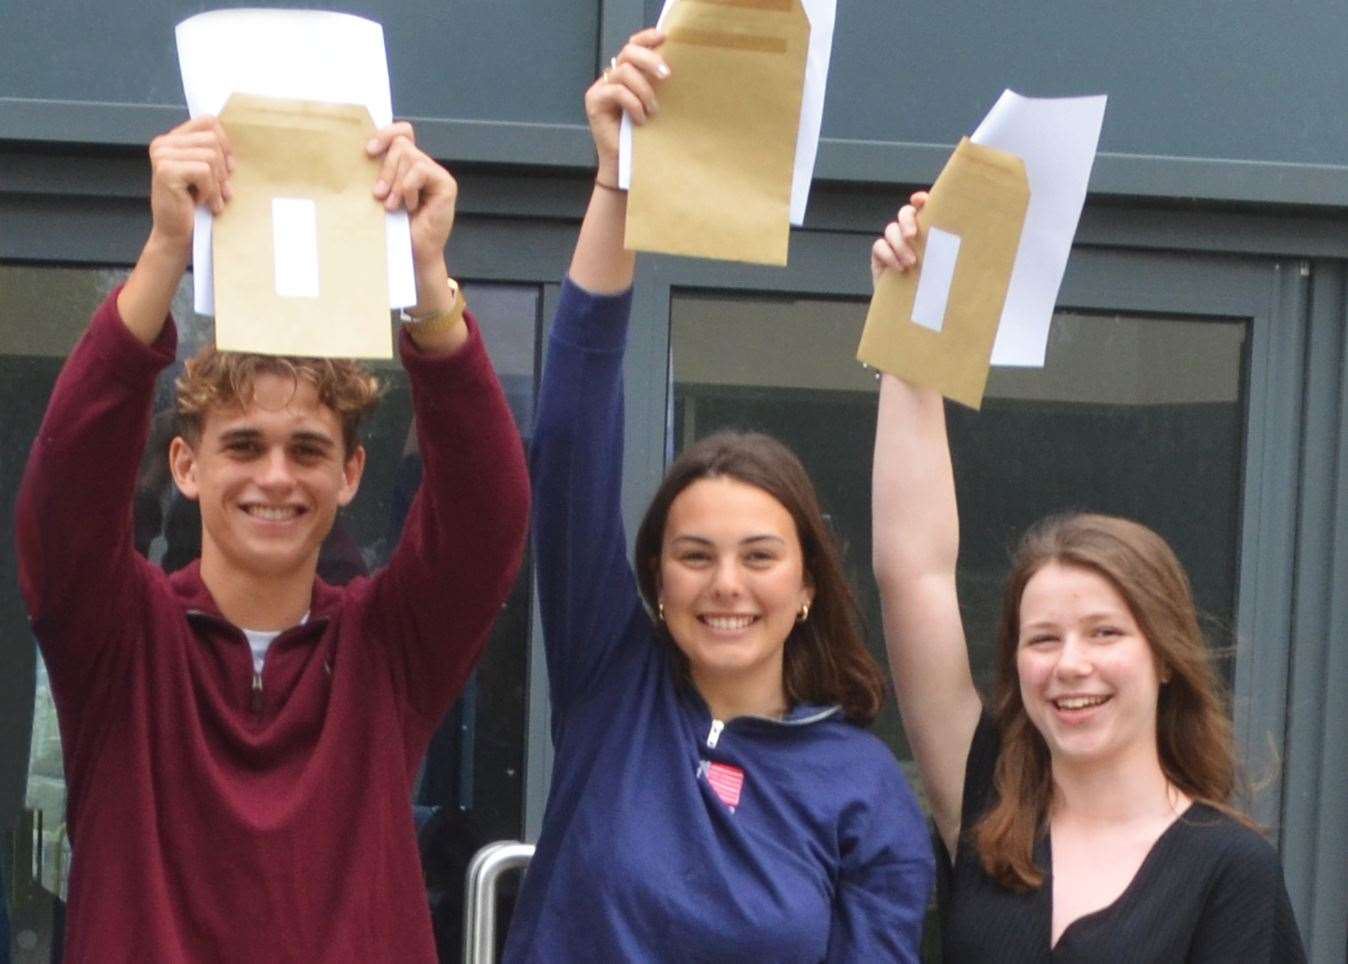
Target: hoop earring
(804, 613)
(660, 610)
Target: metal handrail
(479, 905)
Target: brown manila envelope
(711, 172)
(299, 253)
(935, 326)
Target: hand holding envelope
(725, 170)
(994, 243)
(936, 326)
(315, 61)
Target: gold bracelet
(439, 321)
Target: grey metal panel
(1267, 565)
(1238, 80)
(473, 59)
(539, 751)
(1246, 229)
(1115, 173)
(557, 145)
(562, 146)
(1096, 279)
(618, 20)
(1315, 802)
(76, 171)
(646, 378)
(567, 147)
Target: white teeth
(1079, 702)
(728, 623)
(273, 513)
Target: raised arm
(78, 578)
(600, 264)
(915, 545)
(587, 593)
(464, 535)
(189, 165)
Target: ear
(352, 471)
(807, 588)
(183, 464)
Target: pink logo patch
(727, 781)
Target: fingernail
(372, 145)
(380, 188)
(662, 71)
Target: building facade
(1197, 375)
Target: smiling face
(731, 580)
(1088, 676)
(269, 477)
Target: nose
(1073, 659)
(274, 470)
(726, 582)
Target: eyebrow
(253, 435)
(1095, 617)
(704, 541)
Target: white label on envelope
(933, 285)
(294, 226)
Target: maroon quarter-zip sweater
(210, 822)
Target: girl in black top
(1085, 814)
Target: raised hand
(409, 178)
(628, 84)
(893, 249)
(189, 165)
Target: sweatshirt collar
(191, 592)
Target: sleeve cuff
(592, 321)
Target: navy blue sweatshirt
(669, 836)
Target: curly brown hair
(826, 659)
(224, 378)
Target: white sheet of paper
(1057, 137)
(933, 284)
(822, 14)
(294, 231)
(301, 54)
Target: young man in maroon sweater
(220, 811)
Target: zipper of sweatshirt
(257, 693)
(714, 735)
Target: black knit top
(1210, 889)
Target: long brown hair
(825, 660)
(1193, 729)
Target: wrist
(167, 251)
(432, 279)
(440, 329)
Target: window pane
(1141, 417)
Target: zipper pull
(715, 734)
(257, 692)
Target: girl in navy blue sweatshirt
(714, 796)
